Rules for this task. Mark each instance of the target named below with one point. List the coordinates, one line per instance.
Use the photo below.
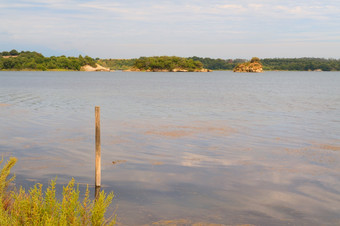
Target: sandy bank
(9, 56)
(98, 68)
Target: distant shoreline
(34, 61)
(127, 71)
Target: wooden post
(98, 157)
(96, 193)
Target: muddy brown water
(183, 148)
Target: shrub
(255, 60)
(38, 208)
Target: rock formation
(253, 66)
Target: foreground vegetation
(27, 60)
(38, 208)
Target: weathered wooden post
(96, 193)
(98, 157)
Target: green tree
(167, 63)
(8, 63)
(13, 52)
(255, 60)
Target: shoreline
(127, 70)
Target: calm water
(218, 147)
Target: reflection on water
(183, 148)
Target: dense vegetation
(117, 64)
(218, 64)
(281, 64)
(167, 63)
(38, 208)
(27, 60)
(301, 64)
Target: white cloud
(64, 24)
(231, 7)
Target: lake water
(183, 148)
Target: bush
(37, 208)
(167, 63)
(13, 52)
(36, 61)
(255, 60)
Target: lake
(183, 148)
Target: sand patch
(156, 163)
(119, 140)
(210, 129)
(171, 134)
(97, 68)
(185, 131)
(321, 153)
(182, 222)
(9, 56)
(74, 140)
(330, 147)
(118, 162)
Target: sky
(206, 28)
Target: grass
(36, 207)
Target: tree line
(117, 64)
(280, 64)
(301, 64)
(26, 60)
(167, 63)
(218, 64)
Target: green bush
(255, 60)
(167, 63)
(36, 207)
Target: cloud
(104, 25)
(231, 7)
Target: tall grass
(35, 207)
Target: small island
(253, 65)
(167, 64)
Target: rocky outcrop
(253, 66)
(98, 68)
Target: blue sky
(131, 28)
